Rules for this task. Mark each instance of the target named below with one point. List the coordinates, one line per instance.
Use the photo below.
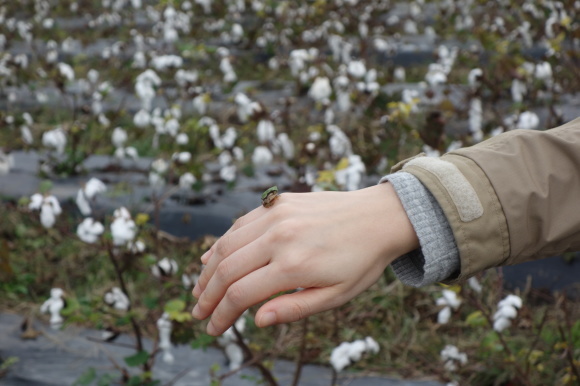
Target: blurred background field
(185, 111)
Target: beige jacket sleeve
(510, 199)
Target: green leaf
(476, 319)
(151, 302)
(137, 359)
(86, 378)
(202, 341)
(45, 186)
(175, 305)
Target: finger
(239, 223)
(244, 293)
(298, 305)
(231, 269)
(228, 244)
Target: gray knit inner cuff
(438, 257)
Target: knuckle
(300, 310)
(235, 295)
(222, 246)
(285, 231)
(240, 222)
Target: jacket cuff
(471, 207)
(438, 257)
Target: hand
(333, 244)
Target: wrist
(389, 221)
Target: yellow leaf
(325, 176)
(342, 164)
(141, 219)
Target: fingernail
(196, 313)
(268, 319)
(211, 330)
(205, 257)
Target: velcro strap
(460, 190)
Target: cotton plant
(48, 206)
(87, 193)
(449, 301)
(348, 353)
(53, 306)
(507, 311)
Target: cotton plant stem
(536, 341)
(267, 374)
(134, 324)
(524, 378)
(300, 359)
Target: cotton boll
(160, 166)
(320, 90)
(6, 162)
(89, 230)
(182, 139)
(262, 156)
(26, 135)
(49, 209)
(451, 299)
(123, 228)
(339, 358)
(518, 90)
(444, 315)
(474, 78)
(235, 356)
(186, 180)
(165, 267)
(511, 300)
(35, 201)
(228, 173)
(142, 119)
(83, 203)
(356, 349)
(265, 131)
(474, 284)
(182, 157)
(357, 69)
(501, 324)
(54, 306)
(93, 187)
(119, 137)
(66, 71)
(55, 139)
(117, 299)
(399, 74)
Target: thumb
(296, 306)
